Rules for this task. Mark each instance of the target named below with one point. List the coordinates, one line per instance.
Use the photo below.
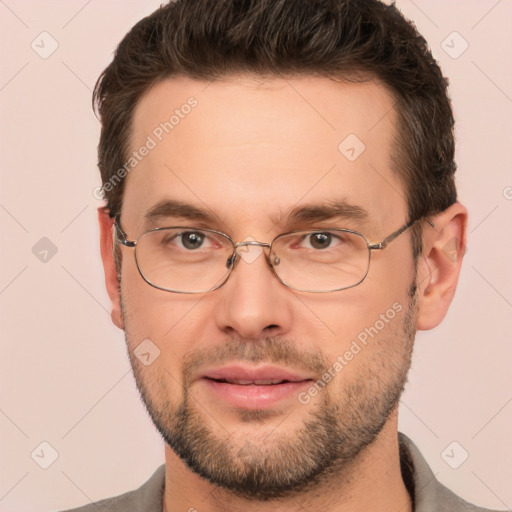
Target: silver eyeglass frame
(231, 262)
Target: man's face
(249, 153)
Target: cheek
(341, 316)
(160, 385)
(362, 327)
(388, 283)
(150, 311)
(156, 340)
(369, 357)
(167, 320)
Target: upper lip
(263, 374)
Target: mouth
(259, 382)
(254, 388)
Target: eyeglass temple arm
(390, 238)
(120, 235)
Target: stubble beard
(285, 463)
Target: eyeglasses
(184, 259)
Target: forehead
(248, 148)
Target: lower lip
(255, 397)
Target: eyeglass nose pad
(272, 258)
(231, 261)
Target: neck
(373, 481)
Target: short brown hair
(340, 39)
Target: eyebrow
(298, 215)
(173, 208)
(329, 210)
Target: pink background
(65, 375)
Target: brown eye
(320, 240)
(192, 239)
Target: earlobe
(111, 278)
(439, 265)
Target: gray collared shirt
(428, 494)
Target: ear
(439, 265)
(111, 278)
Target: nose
(253, 302)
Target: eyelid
(209, 231)
(183, 228)
(324, 229)
(178, 222)
(176, 237)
